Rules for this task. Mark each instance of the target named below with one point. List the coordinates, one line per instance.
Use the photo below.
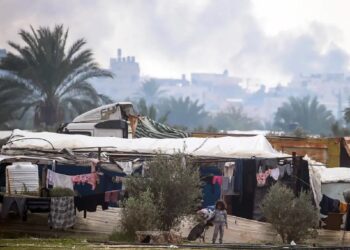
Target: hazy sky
(266, 39)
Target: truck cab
(108, 120)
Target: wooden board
(100, 225)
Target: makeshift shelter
(146, 127)
(251, 156)
(224, 147)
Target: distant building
(172, 81)
(213, 79)
(126, 78)
(125, 69)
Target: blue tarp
(211, 192)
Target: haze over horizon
(267, 40)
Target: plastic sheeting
(228, 147)
(320, 174)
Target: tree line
(46, 82)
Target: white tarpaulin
(230, 147)
(320, 174)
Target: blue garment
(238, 177)
(211, 192)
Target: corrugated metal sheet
(325, 150)
(347, 144)
(22, 176)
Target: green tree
(339, 131)
(150, 111)
(183, 111)
(150, 91)
(140, 213)
(234, 119)
(306, 113)
(10, 98)
(52, 79)
(175, 186)
(347, 114)
(291, 216)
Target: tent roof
(226, 147)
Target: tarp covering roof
(226, 147)
(147, 127)
(326, 174)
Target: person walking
(220, 220)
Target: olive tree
(291, 216)
(174, 185)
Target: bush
(121, 237)
(291, 216)
(139, 214)
(174, 183)
(61, 192)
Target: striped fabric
(152, 129)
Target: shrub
(139, 214)
(291, 216)
(174, 183)
(119, 236)
(61, 192)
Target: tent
(225, 147)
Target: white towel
(59, 180)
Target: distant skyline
(271, 40)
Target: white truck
(107, 120)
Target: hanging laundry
(58, 180)
(61, 213)
(229, 168)
(238, 177)
(289, 169)
(90, 202)
(227, 186)
(329, 205)
(117, 179)
(126, 166)
(85, 178)
(225, 183)
(217, 179)
(94, 163)
(343, 207)
(275, 173)
(286, 169)
(261, 177)
(112, 196)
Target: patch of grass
(118, 236)
(40, 243)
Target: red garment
(111, 196)
(85, 178)
(217, 179)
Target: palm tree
(9, 103)
(183, 111)
(51, 80)
(306, 113)
(234, 119)
(150, 111)
(151, 91)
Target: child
(220, 220)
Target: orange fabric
(343, 207)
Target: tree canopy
(50, 78)
(183, 111)
(306, 113)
